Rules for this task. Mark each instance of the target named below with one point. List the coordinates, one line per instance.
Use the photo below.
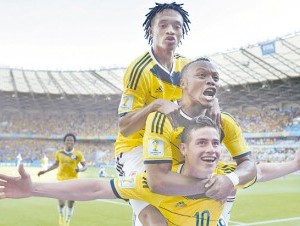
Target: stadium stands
(260, 86)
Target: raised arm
(270, 171)
(77, 190)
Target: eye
(216, 78)
(163, 25)
(201, 142)
(215, 143)
(178, 26)
(200, 75)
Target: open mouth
(210, 92)
(208, 159)
(170, 38)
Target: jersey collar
(162, 67)
(184, 115)
(68, 152)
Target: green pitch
(275, 203)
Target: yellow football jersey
(68, 163)
(144, 81)
(162, 141)
(177, 210)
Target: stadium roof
(256, 73)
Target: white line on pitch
(266, 222)
(114, 202)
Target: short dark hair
(160, 7)
(185, 68)
(198, 123)
(69, 135)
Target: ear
(150, 32)
(183, 149)
(183, 83)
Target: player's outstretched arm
(77, 189)
(270, 171)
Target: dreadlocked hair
(160, 7)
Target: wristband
(234, 178)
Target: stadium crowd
(266, 120)
(90, 125)
(46, 124)
(50, 123)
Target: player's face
(202, 151)
(166, 29)
(200, 83)
(69, 143)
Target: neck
(191, 108)
(164, 57)
(193, 172)
(69, 150)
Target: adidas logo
(180, 204)
(159, 89)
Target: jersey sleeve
(81, 157)
(135, 87)
(135, 187)
(57, 156)
(156, 142)
(233, 138)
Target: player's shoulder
(158, 122)
(181, 57)
(180, 60)
(224, 167)
(157, 115)
(227, 118)
(76, 151)
(140, 60)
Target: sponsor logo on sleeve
(127, 182)
(126, 103)
(155, 148)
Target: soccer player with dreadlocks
(150, 83)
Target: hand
(214, 112)
(41, 172)
(164, 106)
(16, 187)
(219, 188)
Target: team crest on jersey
(127, 182)
(126, 103)
(73, 156)
(155, 147)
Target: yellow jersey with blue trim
(177, 210)
(68, 163)
(196, 210)
(144, 81)
(162, 141)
